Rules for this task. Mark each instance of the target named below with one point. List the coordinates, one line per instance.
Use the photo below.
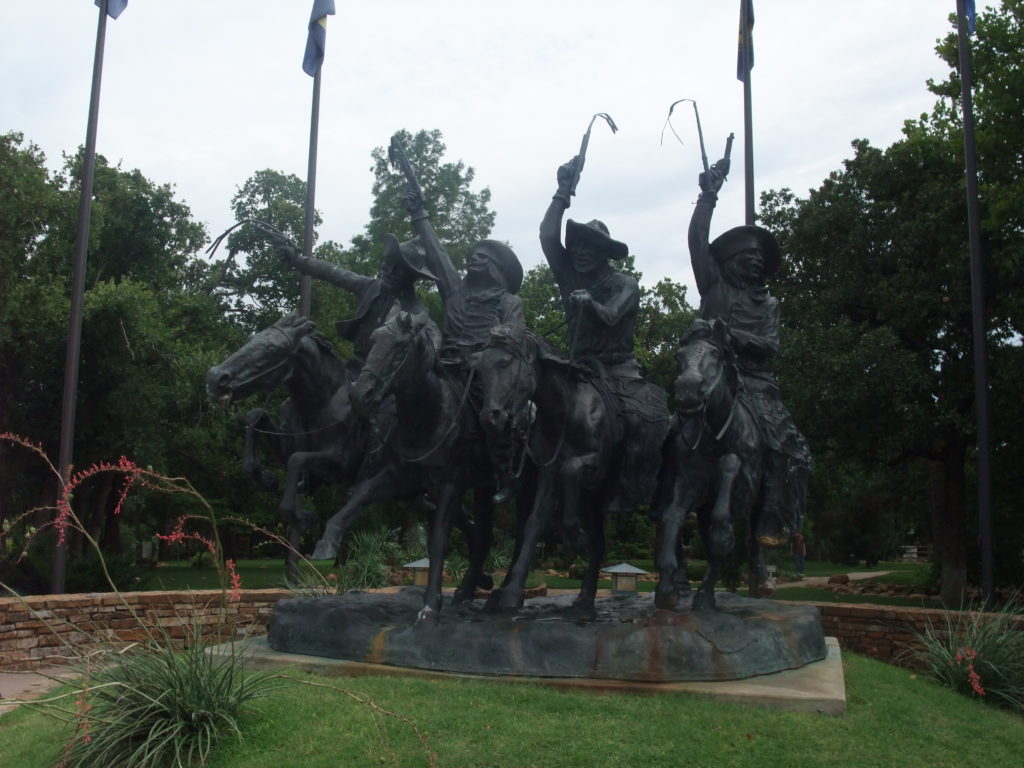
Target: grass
(893, 715)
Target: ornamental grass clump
(161, 707)
(978, 654)
(159, 701)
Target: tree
(258, 288)
(460, 217)
(875, 296)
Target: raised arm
(551, 224)
(437, 257)
(705, 270)
(323, 270)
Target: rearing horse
(714, 465)
(315, 434)
(437, 437)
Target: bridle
(699, 413)
(286, 359)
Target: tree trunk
(948, 482)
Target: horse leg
(448, 499)
(704, 597)
(375, 488)
(258, 422)
(682, 570)
(572, 478)
(479, 546)
(717, 532)
(583, 605)
(759, 583)
(511, 596)
(666, 594)
(321, 463)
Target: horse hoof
(428, 614)
(462, 595)
(324, 550)
(666, 599)
(510, 600)
(765, 589)
(704, 601)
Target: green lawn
(256, 574)
(893, 718)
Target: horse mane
(324, 344)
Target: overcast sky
(202, 94)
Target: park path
(26, 686)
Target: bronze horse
(573, 454)
(713, 465)
(438, 439)
(315, 434)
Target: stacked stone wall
(51, 629)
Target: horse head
(507, 378)
(405, 343)
(262, 364)
(706, 362)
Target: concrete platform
(816, 688)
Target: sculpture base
(629, 640)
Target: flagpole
(305, 299)
(747, 56)
(67, 423)
(981, 398)
(748, 151)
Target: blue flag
(969, 4)
(745, 51)
(317, 40)
(114, 7)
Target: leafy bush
(978, 654)
(85, 573)
(162, 707)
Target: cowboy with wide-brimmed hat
(601, 305)
(402, 265)
(730, 273)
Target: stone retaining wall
(37, 630)
(883, 632)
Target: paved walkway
(24, 686)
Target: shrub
(161, 707)
(85, 573)
(978, 654)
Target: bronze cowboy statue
(403, 264)
(730, 273)
(485, 299)
(601, 305)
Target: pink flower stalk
(972, 675)
(236, 581)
